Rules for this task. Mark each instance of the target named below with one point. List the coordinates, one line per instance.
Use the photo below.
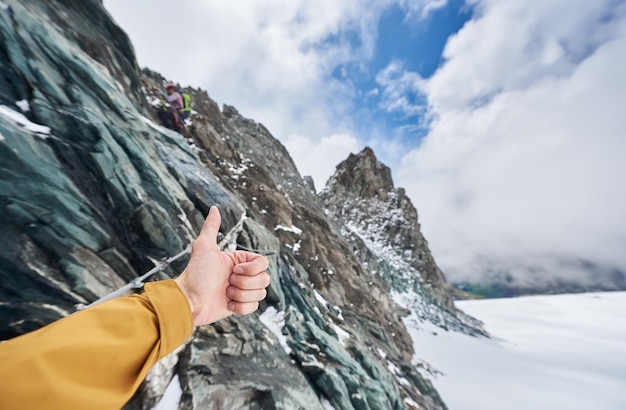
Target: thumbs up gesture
(218, 284)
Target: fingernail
(238, 269)
(230, 292)
(231, 306)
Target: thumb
(211, 226)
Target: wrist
(182, 285)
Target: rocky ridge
(94, 192)
(382, 225)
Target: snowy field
(547, 352)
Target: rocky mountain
(381, 224)
(94, 192)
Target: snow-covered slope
(547, 353)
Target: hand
(218, 284)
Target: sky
(504, 120)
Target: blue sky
(415, 41)
(502, 119)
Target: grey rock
(382, 225)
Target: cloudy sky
(505, 120)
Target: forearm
(95, 358)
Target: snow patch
(296, 246)
(410, 402)
(237, 171)
(23, 104)
(393, 368)
(155, 102)
(291, 228)
(151, 123)
(341, 334)
(397, 373)
(326, 404)
(275, 321)
(339, 312)
(18, 118)
(189, 231)
(320, 298)
(171, 397)
(312, 363)
(403, 381)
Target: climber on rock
(169, 114)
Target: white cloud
(422, 8)
(398, 84)
(513, 44)
(521, 170)
(333, 149)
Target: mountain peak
(382, 223)
(362, 175)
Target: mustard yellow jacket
(96, 358)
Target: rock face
(381, 224)
(94, 192)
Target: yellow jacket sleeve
(96, 358)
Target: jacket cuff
(173, 314)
